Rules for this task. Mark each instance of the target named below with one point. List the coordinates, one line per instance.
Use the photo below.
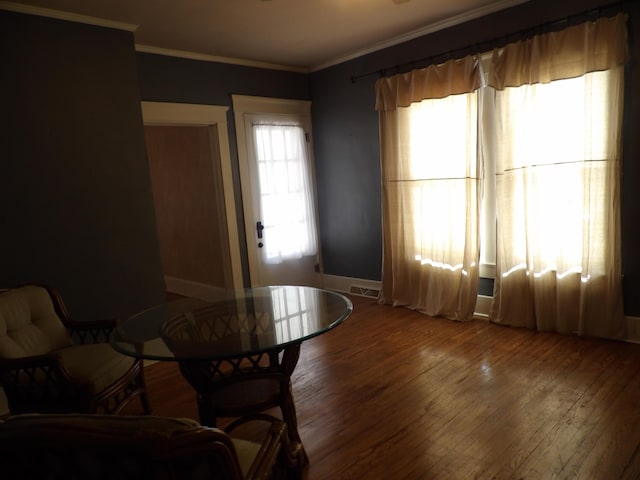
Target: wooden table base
(245, 385)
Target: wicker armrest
(30, 380)
(40, 369)
(96, 331)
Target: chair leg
(144, 399)
(292, 461)
(142, 385)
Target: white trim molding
(426, 30)
(372, 289)
(633, 329)
(68, 16)
(206, 57)
(166, 113)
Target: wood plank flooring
(393, 394)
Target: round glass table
(237, 349)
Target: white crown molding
(427, 29)
(215, 58)
(71, 17)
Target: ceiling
(303, 35)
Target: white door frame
(246, 104)
(165, 113)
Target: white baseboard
(483, 306)
(633, 329)
(371, 289)
(189, 288)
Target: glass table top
(231, 323)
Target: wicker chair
(50, 363)
(124, 447)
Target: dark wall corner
(78, 211)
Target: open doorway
(187, 147)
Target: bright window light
(557, 135)
(442, 162)
(285, 192)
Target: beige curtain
(556, 142)
(430, 188)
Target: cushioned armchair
(51, 363)
(126, 447)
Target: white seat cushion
(29, 324)
(99, 364)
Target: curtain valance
(435, 81)
(588, 47)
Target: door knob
(259, 228)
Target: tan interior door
(187, 188)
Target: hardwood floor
(393, 394)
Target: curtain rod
(488, 45)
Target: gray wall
(347, 155)
(77, 209)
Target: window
(561, 181)
(532, 157)
(558, 180)
(573, 124)
(442, 157)
(561, 193)
(285, 193)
